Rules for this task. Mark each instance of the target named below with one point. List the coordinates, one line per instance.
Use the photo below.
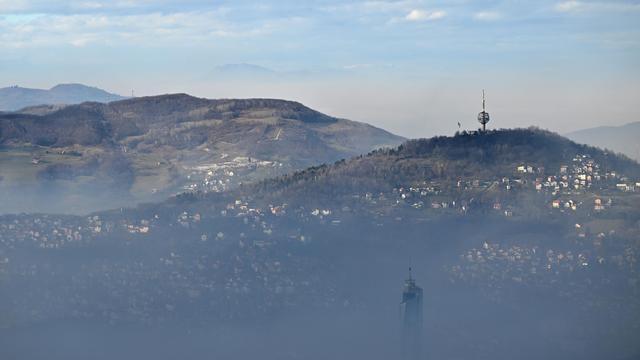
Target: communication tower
(483, 116)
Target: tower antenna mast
(483, 100)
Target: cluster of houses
(572, 180)
(217, 269)
(223, 175)
(496, 266)
(47, 232)
(580, 175)
(133, 291)
(584, 172)
(565, 188)
(428, 196)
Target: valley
(525, 232)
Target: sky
(414, 67)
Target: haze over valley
(487, 220)
(286, 180)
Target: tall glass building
(411, 312)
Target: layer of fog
(460, 321)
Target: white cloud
(357, 66)
(71, 7)
(372, 6)
(86, 29)
(384, 6)
(567, 6)
(423, 15)
(487, 16)
(8, 6)
(595, 6)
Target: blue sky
(415, 67)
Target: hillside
(152, 147)
(509, 224)
(484, 157)
(14, 98)
(622, 139)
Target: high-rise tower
(411, 312)
(483, 116)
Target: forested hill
(465, 156)
(259, 127)
(163, 145)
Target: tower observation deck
(411, 312)
(483, 116)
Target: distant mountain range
(623, 139)
(15, 97)
(153, 147)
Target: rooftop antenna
(483, 117)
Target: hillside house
(598, 206)
(622, 187)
